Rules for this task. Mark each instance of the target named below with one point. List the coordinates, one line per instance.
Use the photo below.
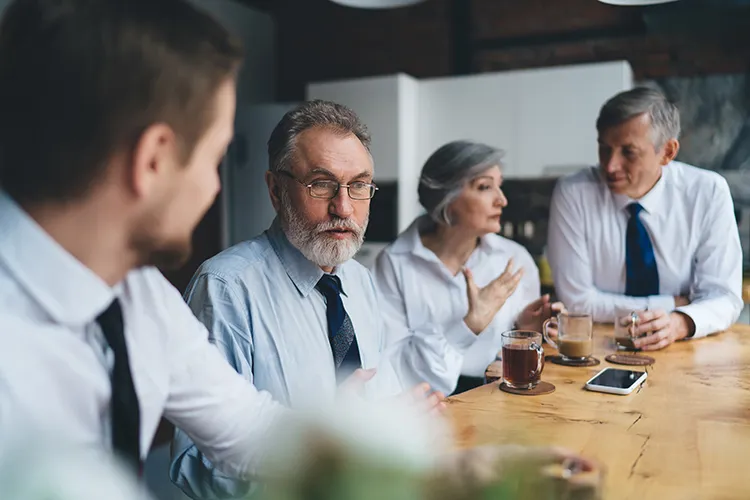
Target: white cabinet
(544, 119)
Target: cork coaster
(540, 389)
(558, 360)
(494, 372)
(630, 359)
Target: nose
(501, 199)
(341, 205)
(610, 163)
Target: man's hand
(662, 328)
(424, 399)
(485, 302)
(535, 314)
(526, 469)
(680, 301)
(354, 385)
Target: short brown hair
(81, 80)
(316, 113)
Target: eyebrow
(489, 177)
(329, 174)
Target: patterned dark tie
(340, 330)
(124, 402)
(642, 275)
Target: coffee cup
(575, 335)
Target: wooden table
(685, 435)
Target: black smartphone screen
(617, 378)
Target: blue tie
(340, 330)
(642, 276)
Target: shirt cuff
(692, 311)
(664, 302)
(460, 336)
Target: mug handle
(546, 334)
(540, 358)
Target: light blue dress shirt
(259, 303)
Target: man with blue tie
(644, 232)
(291, 310)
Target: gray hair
(447, 171)
(336, 117)
(663, 114)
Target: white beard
(312, 241)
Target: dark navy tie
(340, 330)
(642, 276)
(124, 407)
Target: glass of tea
(575, 335)
(523, 358)
(626, 323)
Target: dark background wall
(317, 40)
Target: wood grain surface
(684, 435)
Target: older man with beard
(292, 312)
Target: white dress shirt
(54, 373)
(417, 290)
(690, 218)
(259, 302)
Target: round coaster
(540, 389)
(630, 359)
(558, 360)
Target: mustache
(338, 224)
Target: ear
(154, 154)
(274, 189)
(671, 148)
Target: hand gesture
(536, 313)
(485, 302)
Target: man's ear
(274, 189)
(154, 154)
(671, 148)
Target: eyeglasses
(328, 190)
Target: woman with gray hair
(449, 257)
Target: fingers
(435, 403)
(510, 286)
(363, 375)
(552, 333)
(472, 291)
(557, 307)
(507, 273)
(356, 381)
(654, 342)
(651, 321)
(426, 401)
(537, 305)
(418, 391)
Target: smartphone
(616, 381)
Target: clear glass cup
(626, 322)
(523, 358)
(575, 335)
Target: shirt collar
(651, 201)
(303, 273)
(64, 287)
(411, 242)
